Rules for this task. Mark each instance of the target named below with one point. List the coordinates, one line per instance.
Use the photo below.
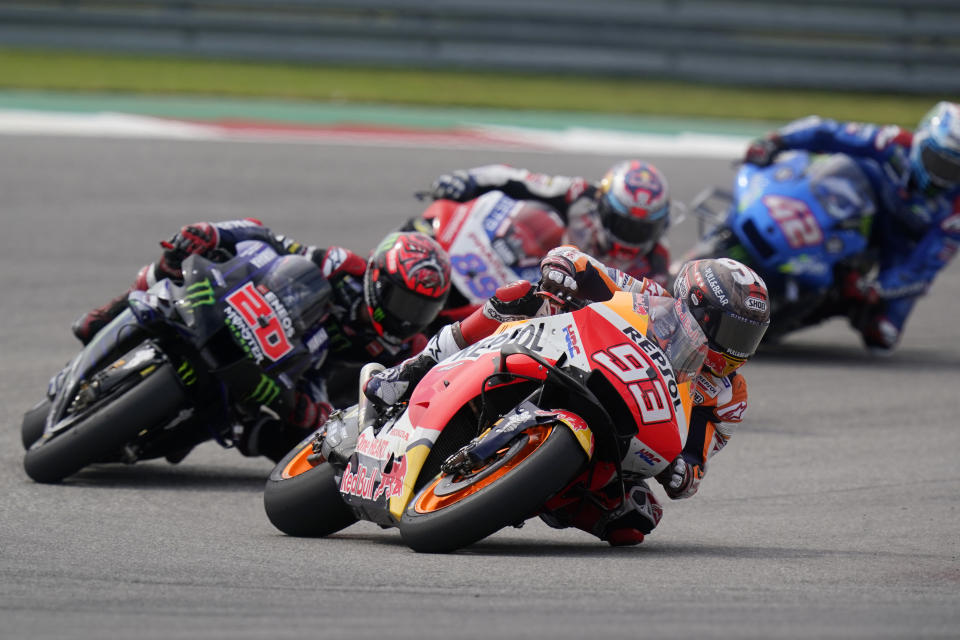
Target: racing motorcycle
(803, 224)
(519, 423)
(183, 364)
(492, 240)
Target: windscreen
(841, 187)
(677, 333)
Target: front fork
(477, 452)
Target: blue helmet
(935, 153)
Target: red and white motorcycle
(492, 240)
(503, 430)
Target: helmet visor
(731, 334)
(631, 230)
(406, 312)
(942, 166)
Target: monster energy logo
(200, 293)
(266, 392)
(187, 373)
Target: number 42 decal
(796, 221)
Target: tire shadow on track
(820, 355)
(169, 477)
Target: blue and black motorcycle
(803, 224)
(183, 365)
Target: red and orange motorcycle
(504, 430)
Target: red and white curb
(465, 136)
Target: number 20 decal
(262, 320)
(796, 221)
(628, 363)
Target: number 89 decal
(631, 367)
(470, 265)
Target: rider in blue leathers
(916, 178)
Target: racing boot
(603, 515)
(89, 324)
(390, 386)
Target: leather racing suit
(916, 233)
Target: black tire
(150, 403)
(306, 503)
(511, 497)
(34, 421)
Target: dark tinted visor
(631, 230)
(943, 167)
(731, 334)
(407, 312)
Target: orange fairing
(430, 501)
(299, 463)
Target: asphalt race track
(832, 514)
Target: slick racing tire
(34, 421)
(453, 511)
(302, 498)
(150, 403)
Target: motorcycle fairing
(801, 216)
(380, 478)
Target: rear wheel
(453, 511)
(302, 498)
(150, 403)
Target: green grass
(70, 71)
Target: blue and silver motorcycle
(803, 224)
(183, 364)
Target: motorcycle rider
(729, 302)
(621, 220)
(916, 178)
(378, 308)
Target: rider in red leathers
(376, 310)
(621, 220)
(729, 302)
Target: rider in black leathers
(376, 311)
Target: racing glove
(680, 479)
(458, 185)
(558, 277)
(762, 151)
(197, 238)
(307, 413)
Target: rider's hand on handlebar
(197, 238)
(558, 280)
(458, 185)
(762, 151)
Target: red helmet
(634, 206)
(406, 284)
(731, 304)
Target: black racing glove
(762, 151)
(458, 185)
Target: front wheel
(302, 498)
(453, 511)
(151, 402)
(34, 422)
